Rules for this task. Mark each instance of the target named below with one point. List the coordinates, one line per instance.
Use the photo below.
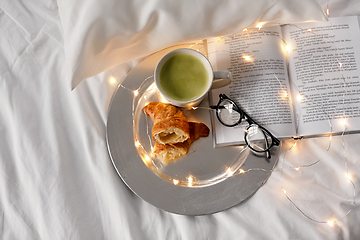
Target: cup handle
(221, 79)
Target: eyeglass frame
(246, 117)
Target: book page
(259, 85)
(324, 69)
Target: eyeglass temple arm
(268, 155)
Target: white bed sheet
(57, 181)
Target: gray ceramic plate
(206, 180)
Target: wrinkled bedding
(56, 177)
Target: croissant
(170, 123)
(170, 152)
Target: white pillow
(99, 35)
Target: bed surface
(56, 177)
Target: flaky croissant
(170, 123)
(170, 152)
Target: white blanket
(56, 178)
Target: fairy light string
(191, 181)
(301, 98)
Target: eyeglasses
(257, 138)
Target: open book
(295, 80)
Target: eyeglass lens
(258, 139)
(227, 114)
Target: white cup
(215, 79)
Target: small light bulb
(300, 97)
(175, 181)
(297, 168)
(260, 25)
(284, 191)
(137, 143)
(245, 29)
(294, 144)
(242, 171)
(229, 172)
(348, 176)
(194, 108)
(309, 30)
(340, 64)
(327, 11)
(287, 48)
(190, 181)
(147, 159)
(246, 57)
(330, 223)
(136, 92)
(343, 121)
(285, 94)
(112, 80)
(330, 137)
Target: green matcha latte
(183, 77)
